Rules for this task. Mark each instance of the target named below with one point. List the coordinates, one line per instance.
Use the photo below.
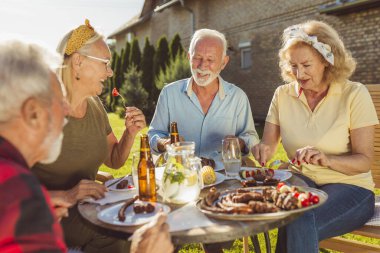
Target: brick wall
(262, 23)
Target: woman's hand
(134, 120)
(311, 155)
(85, 188)
(262, 153)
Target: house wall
(262, 23)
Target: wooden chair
(346, 245)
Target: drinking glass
(135, 165)
(231, 156)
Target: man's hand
(162, 142)
(60, 207)
(153, 237)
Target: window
(245, 55)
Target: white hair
(25, 72)
(207, 33)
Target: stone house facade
(253, 29)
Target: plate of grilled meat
(132, 212)
(259, 203)
(262, 176)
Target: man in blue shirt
(205, 107)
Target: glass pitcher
(181, 182)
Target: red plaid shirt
(27, 221)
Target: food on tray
(208, 175)
(207, 162)
(249, 201)
(262, 175)
(121, 213)
(143, 208)
(123, 184)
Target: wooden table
(222, 231)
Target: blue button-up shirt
(229, 114)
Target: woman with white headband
(326, 124)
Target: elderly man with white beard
(32, 111)
(205, 107)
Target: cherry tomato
(315, 199)
(305, 203)
(279, 185)
(252, 173)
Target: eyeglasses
(105, 61)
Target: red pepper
(296, 194)
(115, 92)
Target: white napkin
(187, 217)
(112, 197)
(375, 220)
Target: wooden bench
(353, 246)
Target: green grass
(118, 128)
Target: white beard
(54, 148)
(206, 80)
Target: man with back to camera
(32, 116)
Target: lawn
(118, 128)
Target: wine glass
(231, 156)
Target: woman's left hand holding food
(311, 155)
(134, 120)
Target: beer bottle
(146, 173)
(174, 136)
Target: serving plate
(264, 216)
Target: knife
(117, 181)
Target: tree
(147, 64)
(176, 46)
(179, 69)
(162, 57)
(126, 56)
(135, 57)
(133, 91)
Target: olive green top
(84, 149)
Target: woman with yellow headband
(326, 124)
(88, 138)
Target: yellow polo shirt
(346, 106)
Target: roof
(146, 13)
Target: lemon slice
(192, 179)
(208, 175)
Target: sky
(47, 21)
